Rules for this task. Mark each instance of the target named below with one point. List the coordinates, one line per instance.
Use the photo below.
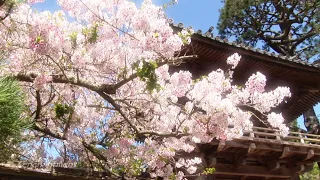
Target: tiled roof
(209, 36)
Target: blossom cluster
(90, 105)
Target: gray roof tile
(241, 45)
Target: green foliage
(208, 171)
(38, 39)
(134, 167)
(73, 38)
(169, 4)
(172, 177)
(199, 79)
(119, 170)
(80, 164)
(274, 24)
(137, 167)
(314, 174)
(11, 121)
(62, 109)
(294, 126)
(185, 37)
(146, 73)
(91, 33)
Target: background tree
(288, 27)
(12, 122)
(100, 93)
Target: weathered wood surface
(265, 154)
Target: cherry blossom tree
(100, 93)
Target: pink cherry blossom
(233, 60)
(256, 83)
(91, 71)
(41, 80)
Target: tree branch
(38, 108)
(301, 39)
(47, 131)
(166, 135)
(60, 79)
(99, 156)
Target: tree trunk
(311, 121)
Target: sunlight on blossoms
(35, 1)
(256, 83)
(101, 93)
(234, 59)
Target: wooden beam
(211, 161)
(273, 165)
(221, 146)
(252, 171)
(309, 155)
(285, 153)
(243, 178)
(252, 148)
(299, 169)
(259, 145)
(309, 161)
(295, 177)
(239, 160)
(251, 134)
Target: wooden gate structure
(261, 153)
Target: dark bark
(311, 122)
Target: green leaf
(62, 109)
(208, 171)
(147, 74)
(73, 39)
(91, 33)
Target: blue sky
(200, 14)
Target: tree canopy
(288, 27)
(100, 93)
